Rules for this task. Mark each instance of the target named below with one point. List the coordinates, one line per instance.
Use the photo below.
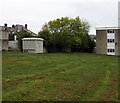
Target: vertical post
(119, 14)
(20, 45)
(26, 26)
(118, 50)
(1, 33)
(1, 69)
(15, 38)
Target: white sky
(36, 12)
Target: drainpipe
(15, 38)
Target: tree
(65, 33)
(87, 44)
(20, 35)
(47, 36)
(45, 27)
(23, 34)
(11, 36)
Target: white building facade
(32, 45)
(108, 40)
(111, 42)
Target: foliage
(47, 35)
(66, 33)
(23, 34)
(87, 44)
(11, 36)
(20, 35)
(67, 30)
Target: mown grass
(59, 77)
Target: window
(25, 50)
(113, 40)
(110, 40)
(111, 50)
(32, 49)
(111, 31)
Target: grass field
(59, 77)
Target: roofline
(32, 39)
(106, 28)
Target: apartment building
(108, 40)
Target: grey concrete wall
(119, 29)
(0, 45)
(13, 45)
(4, 35)
(101, 42)
(33, 46)
(117, 42)
(4, 44)
(39, 47)
(4, 39)
(0, 34)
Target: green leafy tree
(20, 35)
(65, 33)
(47, 36)
(11, 36)
(23, 34)
(87, 44)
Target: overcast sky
(99, 13)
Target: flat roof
(106, 28)
(33, 39)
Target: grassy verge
(59, 76)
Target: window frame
(110, 31)
(110, 50)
